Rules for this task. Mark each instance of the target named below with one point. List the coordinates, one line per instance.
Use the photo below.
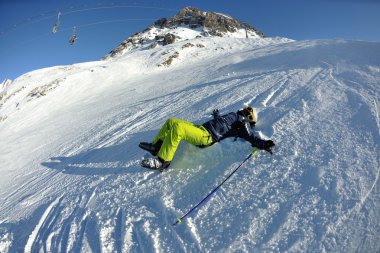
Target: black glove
(215, 113)
(264, 145)
(268, 146)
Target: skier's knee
(177, 130)
(171, 121)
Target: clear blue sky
(26, 41)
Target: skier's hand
(268, 146)
(264, 145)
(215, 113)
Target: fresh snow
(69, 160)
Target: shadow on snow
(115, 159)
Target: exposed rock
(169, 39)
(3, 118)
(187, 45)
(209, 23)
(215, 23)
(153, 45)
(169, 61)
(43, 90)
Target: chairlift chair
(55, 27)
(73, 37)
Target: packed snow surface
(69, 157)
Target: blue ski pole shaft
(204, 200)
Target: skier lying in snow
(233, 124)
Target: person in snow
(234, 124)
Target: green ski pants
(175, 130)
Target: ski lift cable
(50, 15)
(38, 37)
(118, 6)
(115, 21)
(105, 22)
(26, 23)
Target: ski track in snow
(84, 191)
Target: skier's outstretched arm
(257, 142)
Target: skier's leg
(156, 144)
(178, 130)
(166, 128)
(163, 131)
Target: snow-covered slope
(69, 161)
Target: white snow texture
(69, 157)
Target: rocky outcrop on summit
(165, 31)
(214, 24)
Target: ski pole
(204, 200)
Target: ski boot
(150, 147)
(155, 164)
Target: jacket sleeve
(246, 134)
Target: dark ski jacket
(230, 125)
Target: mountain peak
(215, 24)
(188, 23)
